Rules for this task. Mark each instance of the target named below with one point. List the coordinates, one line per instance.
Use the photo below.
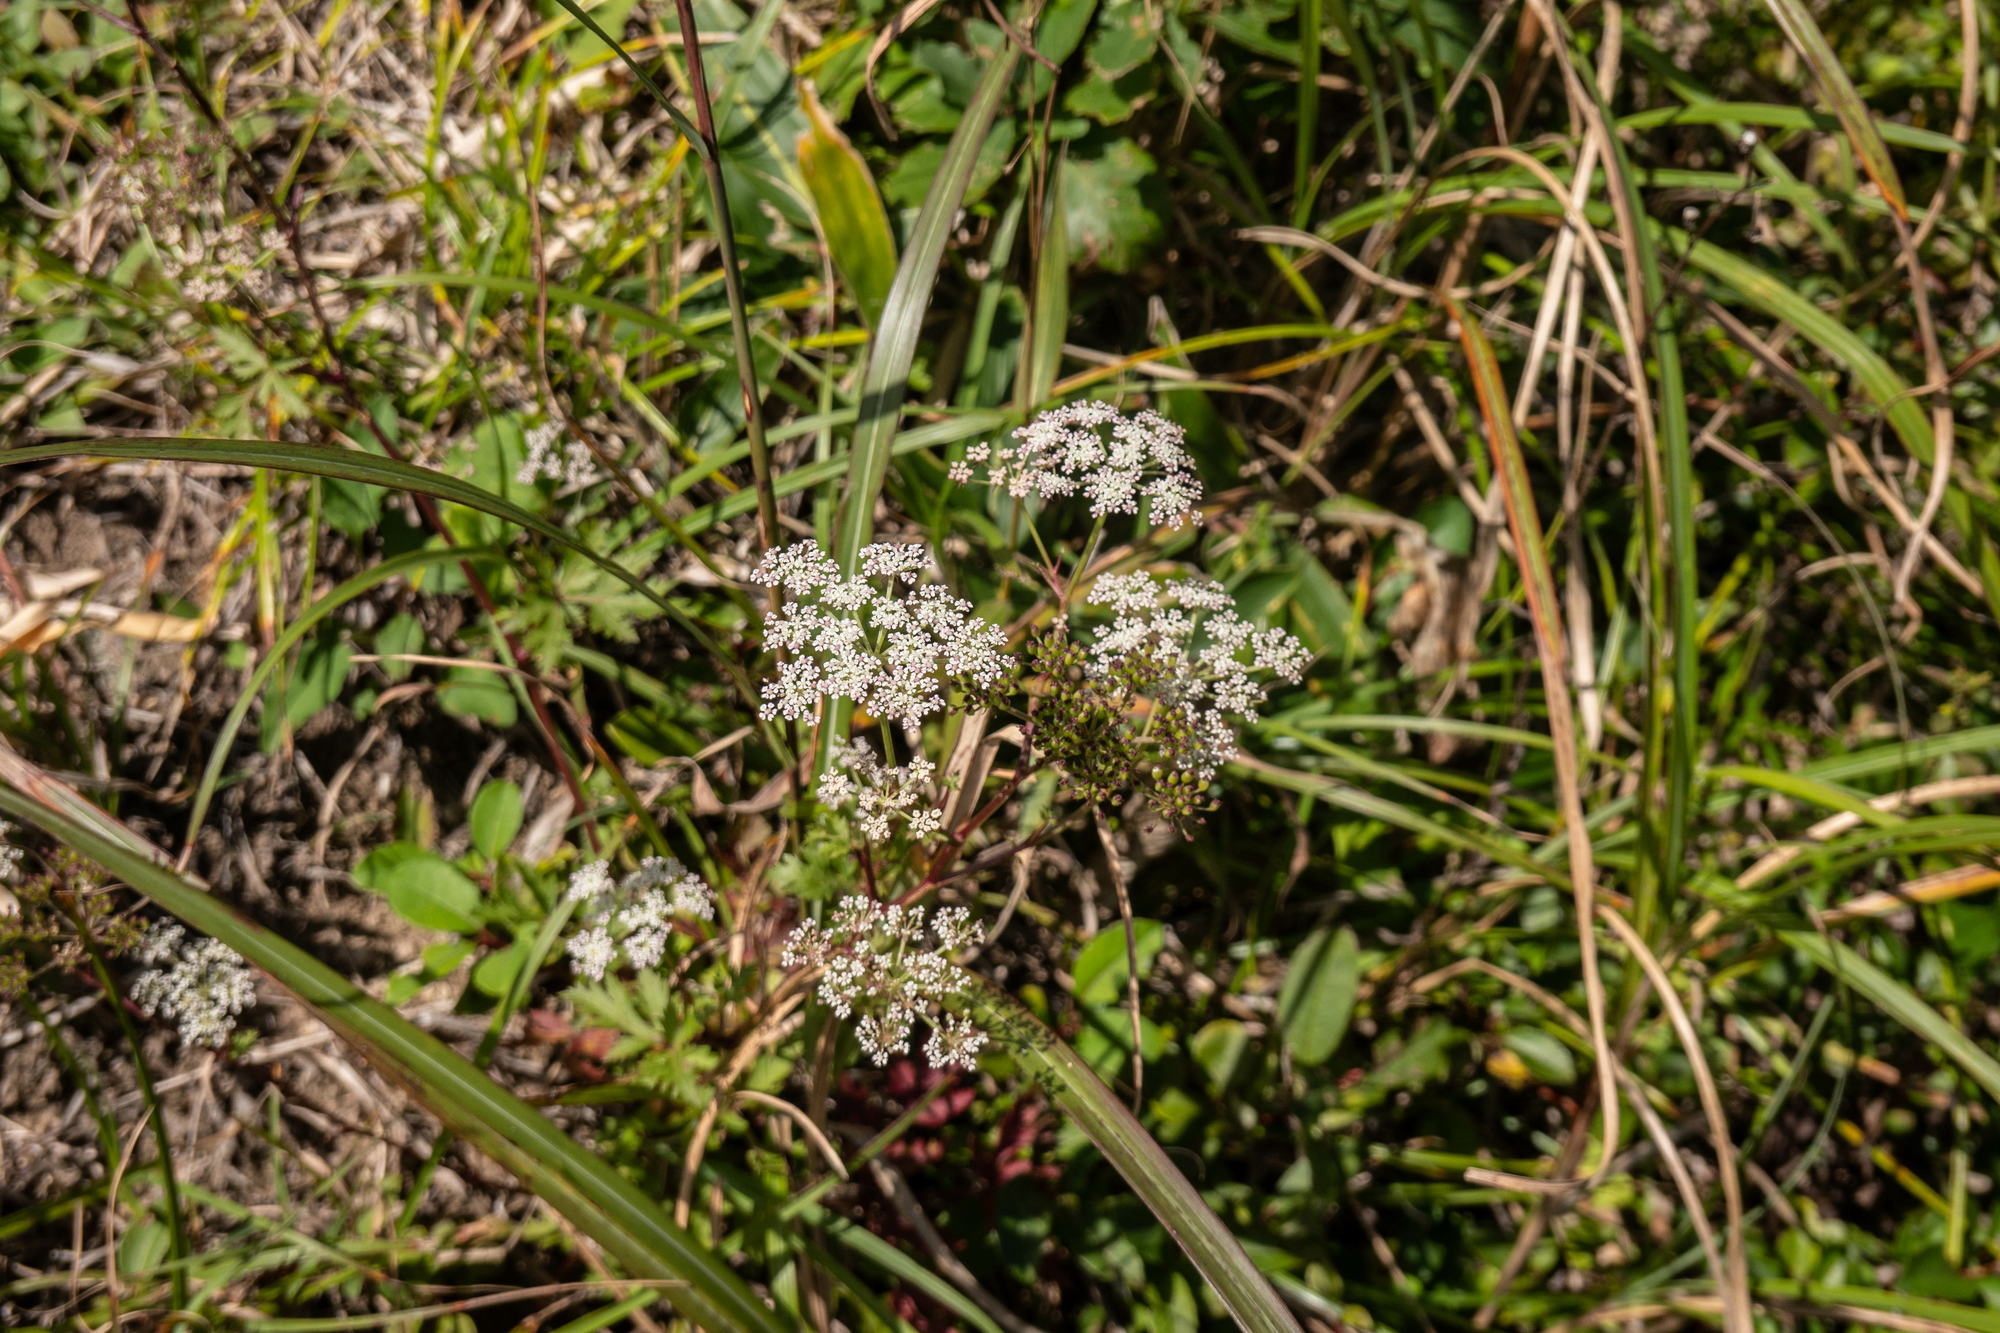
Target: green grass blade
(1900, 1003)
(1048, 319)
(1839, 92)
(1096, 1110)
(894, 347)
(602, 1204)
(347, 465)
(1782, 118)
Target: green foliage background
(1738, 375)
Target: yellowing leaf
(851, 215)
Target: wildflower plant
(1122, 682)
(884, 639)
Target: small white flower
(878, 794)
(10, 855)
(954, 1041)
(881, 639)
(1093, 450)
(201, 985)
(1201, 658)
(633, 916)
(573, 466)
(887, 968)
(591, 952)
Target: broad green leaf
(1317, 997)
(401, 635)
(473, 692)
(1102, 966)
(1219, 1049)
(313, 685)
(493, 976)
(1544, 1054)
(1105, 208)
(851, 216)
(424, 888)
(495, 818)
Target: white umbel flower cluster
(1211, 657)
(201, 985)
(10, 855)
(887, 967)
(634, 915)
(572, 466)
(879, 794)
(1093, 450)
(882, 639)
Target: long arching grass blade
(348, 465)
(601, 1203)
(1096, 1110)
(894, 347)
(1840, 94)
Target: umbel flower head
(887, 967)
(10, 855)
(634, 915)
(202, 984)
(1094, 450)
(573, 466)
(883, 639)
(1153, 699)
(880, 794)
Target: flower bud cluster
(202, 984)
(633, 916)
(1092, 449)
(10, 855)
(879, 794)
(1152, 700)
(888, 966)
(881, 639)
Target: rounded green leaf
(496, 818)
(424, 888)
(1317, 997)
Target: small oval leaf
(496, 818)
(1317, 997)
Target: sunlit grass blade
(894, 347)
(1096, 1110)
(597, 1200)
(1840, 94)
(1900, 1003)
(347, 465)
